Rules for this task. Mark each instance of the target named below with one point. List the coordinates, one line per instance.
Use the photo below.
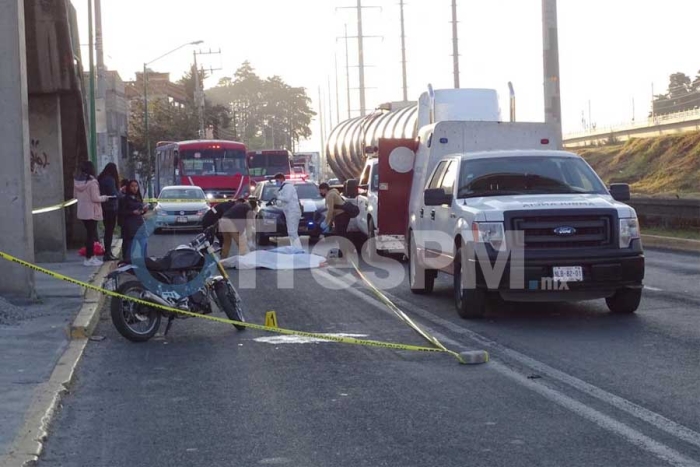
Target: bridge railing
(676, 117)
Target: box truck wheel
(471, 303)
(625, 301)
(420, 279)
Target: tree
(679, 85)
(266, 113)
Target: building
(159, 87)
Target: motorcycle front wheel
(230, 302)
(134, 321)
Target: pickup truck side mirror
(620, 191)
(436, 197)
(351, 188)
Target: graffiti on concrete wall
(39, 160)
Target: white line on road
(604, 421)
(653, 418)
(652, 289)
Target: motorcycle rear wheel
(136, 322)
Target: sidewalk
(33, 338)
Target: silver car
(180, 207)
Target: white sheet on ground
(279, 258)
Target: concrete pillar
(16, 227)
(47, 176)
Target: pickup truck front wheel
(422, 281)
(625, 301)
(471, 303)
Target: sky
(612, 52)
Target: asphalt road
(568, 385)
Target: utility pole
(361, 58)
(198, 96)
(360, 53)
(403, 55)
(103, 131)
(199, 99)
(330, 102)
(322, 132)
(455, 45)
(337, 91)
(347, 71)
(550, 40)
(93, 124)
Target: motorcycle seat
(158, 264)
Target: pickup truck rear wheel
(421, 280)
(471, 303)
(625, 301)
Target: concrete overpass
(681, 122)
(42, 130)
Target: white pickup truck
(532, 225)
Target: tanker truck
(353, 155)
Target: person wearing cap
(335, 216)
(288, 201)
(233, 227)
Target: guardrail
(667, 212)
(650, 122)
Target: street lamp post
(145, 106)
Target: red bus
(265, 164)
(220, 168)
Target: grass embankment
(663, 166)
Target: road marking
(604, 421)
(301, 339)
(653, 418)
(652, 289)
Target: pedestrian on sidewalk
(108, 179)
(86, 190)
(235, 224)
(131, 210)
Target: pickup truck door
(363, 199)
(444, 217)
(426, 222)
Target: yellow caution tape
(55, 207)
(403, 317)
(289, 332)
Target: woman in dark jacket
(108, 186)
(131, 211)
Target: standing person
(335, 215)
(123, 187)
(131, 211)
(108, 179)
(86, 190)
(288, 200)
(235, 224)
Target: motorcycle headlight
(491, 233)
(629, 230)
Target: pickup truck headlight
(492, 233)
(629, 230)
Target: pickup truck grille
(548, 232)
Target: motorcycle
(190, 278)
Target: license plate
(568, 273)
(182, 220)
